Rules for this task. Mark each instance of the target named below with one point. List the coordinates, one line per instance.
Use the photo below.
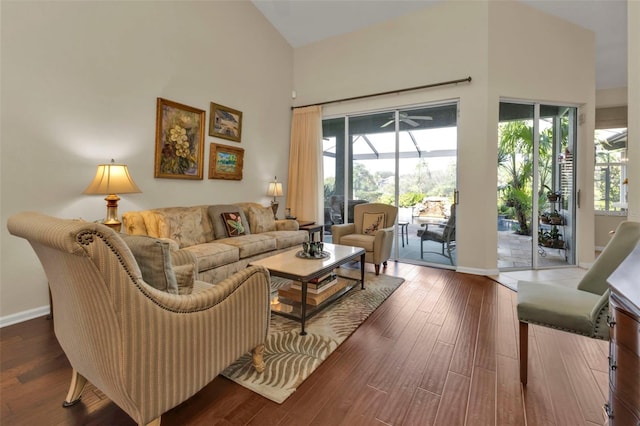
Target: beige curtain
(305, 164)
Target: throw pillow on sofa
(234, 224)
(186, 225)
(261, 219)
(185, 277)
(154, 260)
(219, 227)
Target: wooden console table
(623, 407)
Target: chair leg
(384, 263)
(75, 389)
(377, 266)
(524, 351)
(421, 249)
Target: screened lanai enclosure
(536, 195)
(405, 157)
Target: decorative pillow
(261, 219)
(217, 220)
(184, 225)
(372, 223)
(185, 276)
(154, 260)
(233, 223)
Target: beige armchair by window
(580, 310)
(372, 230)
(443, 233)
(148, 350)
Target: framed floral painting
(225, 122)
(179, 141)
(225, 162)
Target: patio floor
(514, 251)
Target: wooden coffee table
(288, 265)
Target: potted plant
(556, 238)
(552, 196)
(555, 218)
(544, 217)
(551, 239)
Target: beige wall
(604, 224)
(633, 171)
(498, 44)
(79, 87)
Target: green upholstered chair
(581, 310)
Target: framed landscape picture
(225, 162)
(179, 141)
(225, 122)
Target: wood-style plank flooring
(442, 350)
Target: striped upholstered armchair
(147, 349)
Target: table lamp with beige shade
(275, 190)
(112, 179)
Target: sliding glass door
(536, 185)
(404, 157)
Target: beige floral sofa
(224, 238)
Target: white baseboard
(475, 271)
(585, 265)
(24, 316)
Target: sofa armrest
(287, 225)
(338, 231)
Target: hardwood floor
(442, 350)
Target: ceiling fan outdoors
(409, 119)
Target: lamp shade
(112, 179)
(275, 189)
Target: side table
(312, 228)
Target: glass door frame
(452, 105)
(572, 202)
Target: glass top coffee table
(291, 265)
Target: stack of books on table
(318, 289)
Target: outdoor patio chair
(443, 233)
(580, 310)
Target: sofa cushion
(358, 240)
(154, 260)
(185, 225)
(219, 227)
(251, 245)
(286, 239)
(213, 255)
(261, 219)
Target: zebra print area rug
(291, 358)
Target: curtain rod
(426, 86)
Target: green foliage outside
(379, 187)
(515, 169)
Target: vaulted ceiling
(305, 21)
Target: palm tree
(515, 146)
